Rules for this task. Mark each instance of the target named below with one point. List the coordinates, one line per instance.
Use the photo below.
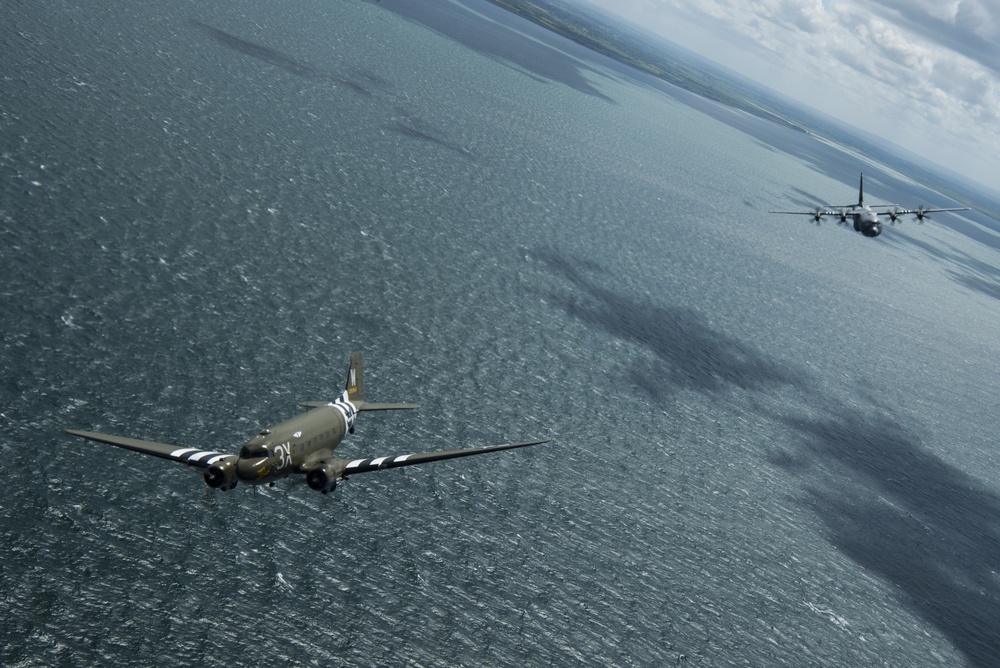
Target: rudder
(355, 385)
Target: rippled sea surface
(774, 444)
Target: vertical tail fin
(356, 390)
(861, 192)
(355, 381)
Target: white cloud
(923, 71)
(975, 17)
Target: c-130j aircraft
(302, 445)
(864, 217)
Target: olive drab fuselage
(302, 445)
(294, 445)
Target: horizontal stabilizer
(386, 407)
(362, 406)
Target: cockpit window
(247, 453)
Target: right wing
(192, 456)
(821, 212)
(841, 213)
(848, 210)
(379, 463)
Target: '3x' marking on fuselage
(283, 453)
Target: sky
(923, 74)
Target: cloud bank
(924, 74)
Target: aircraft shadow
(690, 353)
(415, 128)
(915, 521)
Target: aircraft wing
(379, 463)
(817, 213)
(193, 456)
(921, 211)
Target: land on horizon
(669, 62)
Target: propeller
(817, 215)
(842, 215)
(921, 214)
(893, 215)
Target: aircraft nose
(250, 469)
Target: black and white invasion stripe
(347, 409)
(365, 465)
(196, 456)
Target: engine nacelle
(221, 475)
(323, 478)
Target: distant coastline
(590, 33)
(587, 28)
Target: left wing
(379, 463)
(920, 212)
(193, 456)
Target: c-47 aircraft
(864, 216)
(301, 445)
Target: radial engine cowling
(222, 475)
(323, 478)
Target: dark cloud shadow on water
(806, 200)
(886, 502)
(499, 41)
(690, 354)
(882, 186)
(904, 514)
(283, 61)
(987, 286)
(964, 269)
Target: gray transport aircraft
(302, 445)
(864, 216)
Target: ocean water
(774, 443)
